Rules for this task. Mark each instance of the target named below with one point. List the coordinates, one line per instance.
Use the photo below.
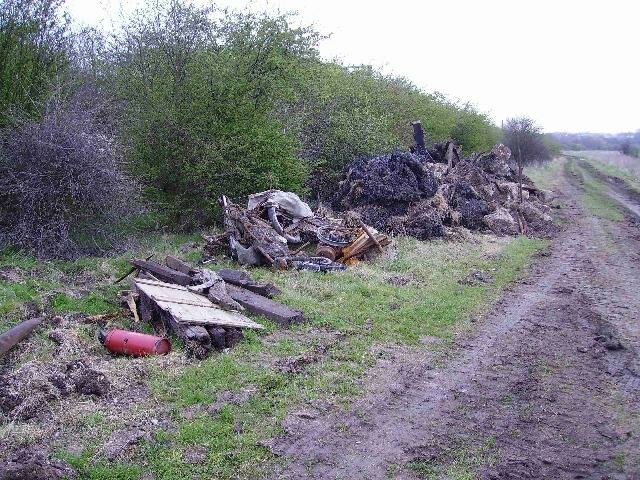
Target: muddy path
(548, 385)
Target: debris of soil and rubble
(32, 463)
(422, 194)
(27, 392)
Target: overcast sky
(571, 65)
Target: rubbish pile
(200, 306)
(423, 192)
(276, 227)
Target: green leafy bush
(33, 52)
(199, 95)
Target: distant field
(614, 158)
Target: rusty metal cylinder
(135, 344)
(14, 335)
(327, 251)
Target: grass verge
(412, 292)
(366, 306)
(594, 195)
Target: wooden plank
(164, 274)
(244, 280)
(179, 265)
(263, 306)
(187, 307)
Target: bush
(61, 190)
(527, 143)
(199, 96)
(342, 113)
(33, 52)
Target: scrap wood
(249, 229)
(103, 317)
(244, 280)
(237, 277)
(361, 245)
(216, 289)
(188, 308)
(370, 235)
(131, 302)
(130, 271)
(164, 274)
(260, 305)
(179, 265)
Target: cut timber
(179, 265)
(186, 307)
(162, 273)
(242, 279)
(263, 306)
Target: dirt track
(547, 386)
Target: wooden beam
(179, 265)
(244, 280)
(162, 273)
(260, 305)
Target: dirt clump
(30, 391)
(501, 222)
(228, 397)
(34, 464)
(120, 441)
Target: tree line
(153, 122)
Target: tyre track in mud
(546, 387)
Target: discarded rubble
(202, 307)
(276, 228)
(424, 192)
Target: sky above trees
(570, 65)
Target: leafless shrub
(61, 187)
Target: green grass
(458, 463)
(594, 196)
(547, 175)
(630, 177)
(360, 303)
(89, 469)
(618, 172)
(84, 285)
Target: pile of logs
(270, 234)
(203, 307)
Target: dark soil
(547, 386)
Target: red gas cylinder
(136, 344)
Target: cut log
(232, 337)
(244, 280)
(260, 305)
(162, 273)
(14, 335)
(179, 265)
(197, 341)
